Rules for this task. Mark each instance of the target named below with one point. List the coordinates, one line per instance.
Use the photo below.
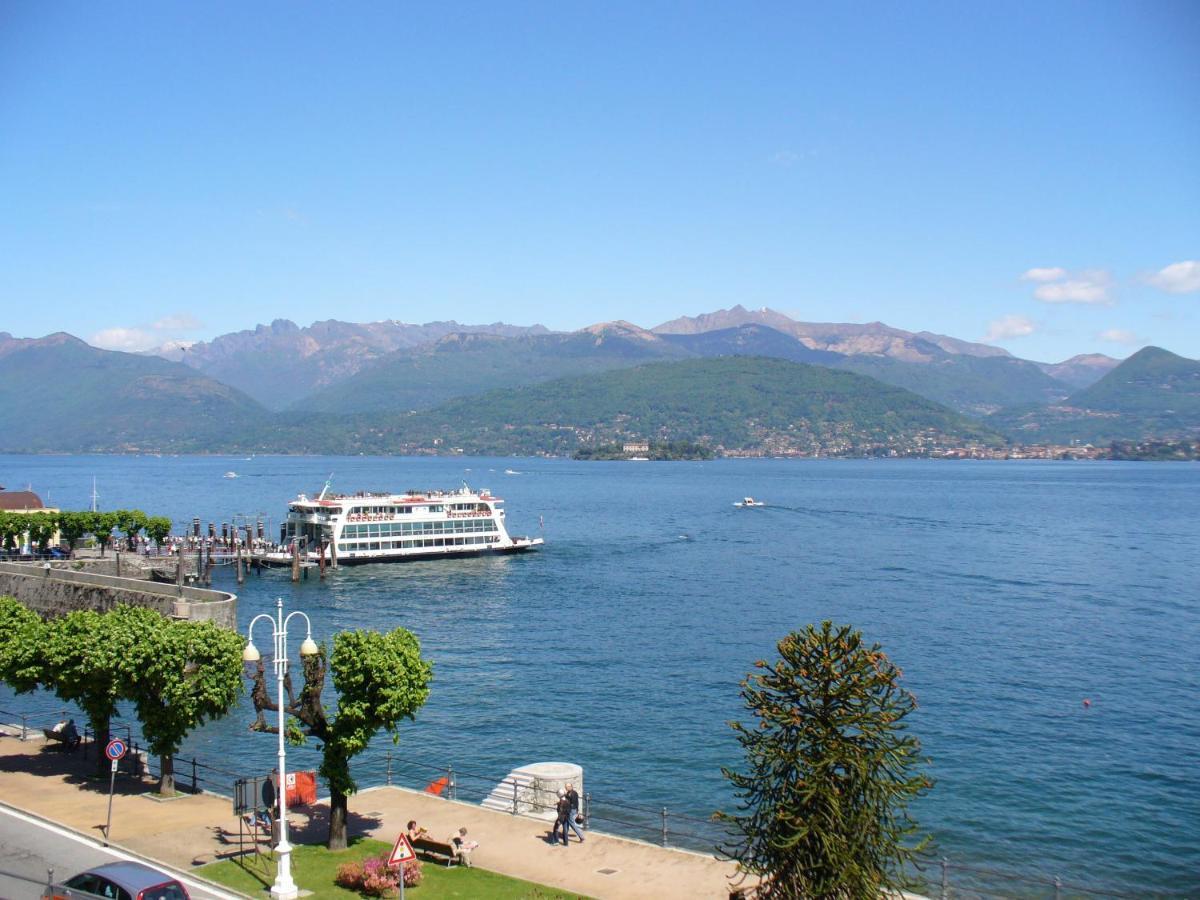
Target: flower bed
(373, 877)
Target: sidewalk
(193, 830)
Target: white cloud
(178, 322)
(1178, 278)
(1046, 274)
(1007, 327)
(1090, 287)
(1119, 336)
(131, 340)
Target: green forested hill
(59, 394)
(741, 404)
(1154, 394)
(976, 385)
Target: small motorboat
(230, 475)
(749, 501)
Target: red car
(118, 881)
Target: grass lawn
(313, 868)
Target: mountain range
(280, 363)
(346, 387)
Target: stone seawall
(55, 592)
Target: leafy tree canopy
(22, 636)
(186, 674)
(380, 680)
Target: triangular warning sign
(402, 852)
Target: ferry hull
(283, 561)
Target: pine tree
(823, 806)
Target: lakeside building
(26, 503)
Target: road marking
(188, 881)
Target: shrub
(373, 877)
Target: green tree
(130, 521)
(380, 680)
(73, 526)
(184, 674)
(157, 529)
(12, 527)
(101, 525)
(22, 638)
(41, 528)
(823, 811)
(89, 662)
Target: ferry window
(375, 545)
(437, 507)
(439, 542)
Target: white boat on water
(749, 501)
(373, 527)
(230, 475)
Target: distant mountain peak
(726, 318)
(620, 328)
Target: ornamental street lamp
(283, 888)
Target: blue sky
(1028, 173)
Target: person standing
(563, 812)
(573, 817)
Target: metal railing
(985, 882)
(379, 766)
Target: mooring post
(321, 561)
(1057, 888)
(241, 576)
(451, 788)
(945, 879)
(587, 809)
(295, 563)
(514, 812)
(389, 768)
(194, 791)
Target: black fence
(380, 766)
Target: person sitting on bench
(462, 846)
(67, 733)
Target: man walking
(563, 813)
(573, 817)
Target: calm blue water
(1008, 593)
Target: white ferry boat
(371, 527)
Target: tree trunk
(166, 784)
(337, 820)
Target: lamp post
(283, 888)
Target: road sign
(114, 765)
(402, 852)
(116, 749)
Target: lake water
(1007, 592)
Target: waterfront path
(193, 830)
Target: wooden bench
(439, 851)
(52, 735)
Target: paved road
(28, 847)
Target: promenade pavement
(196, 829)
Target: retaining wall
(54, 592)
